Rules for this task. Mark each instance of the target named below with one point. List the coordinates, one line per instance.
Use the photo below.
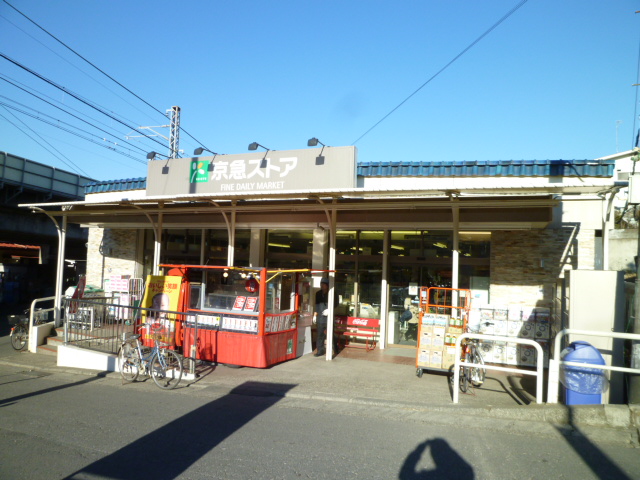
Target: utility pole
(174, 132)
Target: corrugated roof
(116, 185)
(467, 168)
(489, 168)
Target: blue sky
(553, 81)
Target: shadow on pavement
(448, 463)
(11, 400)
(185, 440)
(599, 463)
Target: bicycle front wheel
(476, 374)
(128, 363)
(166, 369)
(19, 337)
(464, 379)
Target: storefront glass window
(359, 272)
(422, 258)
(218, 247)
(421, 243)
(289, 248)
(183, 247)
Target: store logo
(199, 171)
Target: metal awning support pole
(384, 300)
(62, 239)
(232, 239)
(231, 231)
(157, 237)
(332, 219)
(157, 246)
(332, 281)
(57, 305)
(455, 254)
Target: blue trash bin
(583, 385)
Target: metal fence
(557, 362)
(525, 341)
(99, 324)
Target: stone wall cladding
(526, 264)
(110, 252)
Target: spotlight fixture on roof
(153, 155)
(200, 150)
(313, 142)
(255, 145)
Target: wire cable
(469, 47)
(74, 66)
(59, 154)
(29, 89)
(60, 127)
(99, 69)
(68, 113)
(72, 94)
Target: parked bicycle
(159, 362)
(20, 329)
(473, 376)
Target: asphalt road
(84, 427)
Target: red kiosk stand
(242, 316)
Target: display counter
(248, 317)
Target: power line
(102, 144)
(64, 160)
(469, 47)
(68, 113)
(69, 92)
(74, 66)
(97, 68)
(83, 58)
(29, 89)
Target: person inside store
(321, 317)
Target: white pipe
(384, 290)
(332, 282)
(554, 365)
(455, 257)
(525, 341)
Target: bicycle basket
(17, 319)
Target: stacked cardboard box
(514, 321)
(438, 336)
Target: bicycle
(472, 375)
(20, 330)
(158, 362)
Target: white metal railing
(554, 364)
(524, 341)
(33, 344)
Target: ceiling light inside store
(281, 245)
(397, 247)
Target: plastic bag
(584, 380)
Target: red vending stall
(241, 316)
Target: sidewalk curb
(578, 416)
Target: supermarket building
(506, 230)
